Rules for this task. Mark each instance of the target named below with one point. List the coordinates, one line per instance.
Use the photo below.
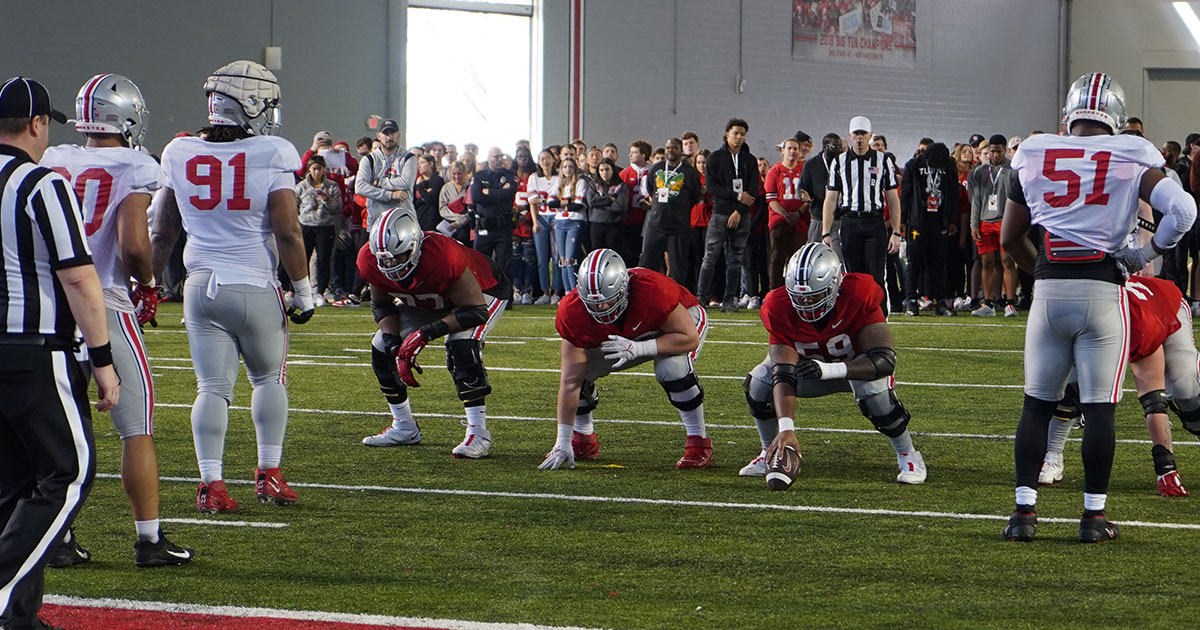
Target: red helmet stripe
(594, 273)
(1094, 91)
(379, 246)
(90, 91)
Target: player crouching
(425, 286)
(617, 318)
(827, 334)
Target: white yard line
(663, 423)
(243, 612)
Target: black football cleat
(160, 554)
(1095, 529)
(1021, 527)
(69, 553)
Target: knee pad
(759, 409)
(384, 366)
(588, 398)
(465, 362)
(1154, 402)
(1068, 407)
(685, 393)
(1190, 419)
(885, 412)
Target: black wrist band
(897, 234)
(827, 235)
(436, 329)
(100, 356)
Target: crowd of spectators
(722, 221)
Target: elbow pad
(471, 316)
(383, 308)
(884, 360)
(784, 373)
(1179, 212)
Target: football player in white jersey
(232, 192)
(1080, 193)
(114, 181)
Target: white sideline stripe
(662, 423)
(302, 615)
(200, 521)
(681, 503)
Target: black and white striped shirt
(861, 181)
(41, 231)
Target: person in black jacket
(673, 187)
(493, 191)
(607, 198)
(425, 192)
(813, 179)
(929, 211)
(731, 177)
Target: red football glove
(145, 303)
(405, 370)
(406, 357)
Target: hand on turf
(145, 303)
(1169, 485)
(557, 457)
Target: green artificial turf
(549, 560)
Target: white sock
(477, 419)
(1094, 501)
(402, 417)
(583, 424)
(902, 443)
(1026, 495)
(210, 470)
(1056, 435)
(147, 530)
(693, 421)
(269, 456)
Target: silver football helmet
(396, 243)
(1096, 97)
(812, 278)
(244, 94)
(603, 285)
(111, 103)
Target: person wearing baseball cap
(861, 183)
(386, 175)
(22, 97)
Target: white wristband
(831, 371)
(564, 436)
(302, 288)
(647, 348)
(786, 424)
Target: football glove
(812, 369)
(412, 346)
(404, 370)
(1169, 485)
(302, 302)
(145, 304)
(557, 457)
(625, 350)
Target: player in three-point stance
(1166, 371)
(617, 318)
(114, 180)
(425, 286)
(232, 191)
(1080, 193)
(828, 334)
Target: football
(783, 465)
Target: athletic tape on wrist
(786, 424)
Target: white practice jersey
(103, 177)
(1085, 188)
(221, 189)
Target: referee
(47, 453)
(861, 183)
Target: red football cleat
(1169, 485)
(697, 453)
(212, 498)
(585, 446)
(270, 487)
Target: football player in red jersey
(424, 286)
(1163, 357)
(617, 318)
(828, 334)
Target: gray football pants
(134, 413)
(1080, 324)
(239, 321)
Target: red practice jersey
(783, 185)
(857, 306)
(635, 214)
(652, 297)
(443, 261)
(1153, 313)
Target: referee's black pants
(47, 462)
(864, 247)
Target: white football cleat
(392, 436)
(474, 446)
(756, 468)
(1052, 469)
(912, 468)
